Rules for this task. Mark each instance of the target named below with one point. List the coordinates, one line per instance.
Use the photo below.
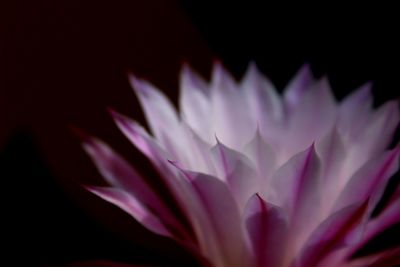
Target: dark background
(63, 62)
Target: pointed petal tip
(306, 70)
(219, 72)
(140, 86)
(365, 90)
(83, 136)
(186, 68)
(114, 114)
(121, 120)
(91, 188)
(252, 67)
(252, 72)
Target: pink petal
(267, 228)
(375, 136)
(298, 185)
(159, 111)
(230, 118)
(216, 217)
(387, 259)
(370, 180)
(386, 219)
(333, 155)
(161, 116)
(237, 171)
(141, 139)
(120, 174)
(195, 105)
(132, 206)
(332, 234)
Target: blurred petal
(332, 234)
(355, 111)
(161, 116)
(141, 139)
(387, 218)
(297, 87)
(195, 105)
(370, 181)
(230, 118)
(312, 118)
(119, 173)
(132, 206)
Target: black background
(63, 62)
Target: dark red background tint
(63, 63)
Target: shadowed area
(46, 228)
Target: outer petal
(120, 174)
(267, 229)
(387, 117)
(332, 234)
(386, 219)
(215, 215)
(375, 136)
(159, 111)
(132, 206)
(162, 117)
(370, 180)
(141, 139)
(387, 259)
(298, 184)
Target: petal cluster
(259, 179)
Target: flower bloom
(259, 179)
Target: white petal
(195, 105)
(230, 117)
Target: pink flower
(260, 179)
